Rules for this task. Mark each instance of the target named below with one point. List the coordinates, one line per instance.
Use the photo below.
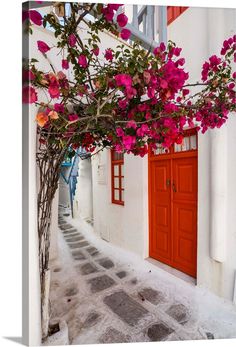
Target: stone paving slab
(88, 268)
(92, 251)
(71, 291)
(92, 319)
(66, 226)
(78, 245)
(125, 307)
(106, 263)
(69, 231)
(100, 283)
(68, 236)
(178, 312)
(112, 335)
(159, 332)
(74, 239)
(210, 336)
(121, 274)
(153, 296)
(61, 222)
(78, 255)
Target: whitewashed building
(192, 235)
(193, 231)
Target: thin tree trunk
(49, 160)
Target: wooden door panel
(185, 237)
(160, 243)
(173, 210)
(185, 179)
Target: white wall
(108, 217)
(33, 337)
(32, 317)
(121, 225)
(83, 200)
(201, 32)
(199, 36)
(64, 193)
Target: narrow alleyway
(109, 295)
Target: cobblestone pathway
(109, 301)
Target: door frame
(172, 155)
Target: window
(189, 143)
(174, 12)
(117, 178)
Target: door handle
(174, 187)
(167, 182)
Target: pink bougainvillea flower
(163, 84)
(53, 89)
(35, 17)
(65, 64)
(114, 7)
(59, 108)
(73, 117)
(72, 40)
(143, 130)
(118, 148)
(151, 92)
(95, 51)
(177, 51)
(185, 92)
(61, 75)
(214, 60)
(148, 115)
(108, 13)
(231, 85)
(82, 61)
(43, 47)
(143, 107)
(122, 20)
(25, 15)
(162, 46)
(42, 119)
(108, 55)
(156, 51)
(130, 92)
(125, 34)
(29, 95)
(179, 139)
(122, 103)
(131, 124)
(123, 80)
(53, 115)
(119, 132)
(128, 141)
(180, 62)
(27, 75)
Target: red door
(173, 205)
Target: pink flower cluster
(32, 15)
(109, 11)
(122, 20)
(125, 80)
(228, 45)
